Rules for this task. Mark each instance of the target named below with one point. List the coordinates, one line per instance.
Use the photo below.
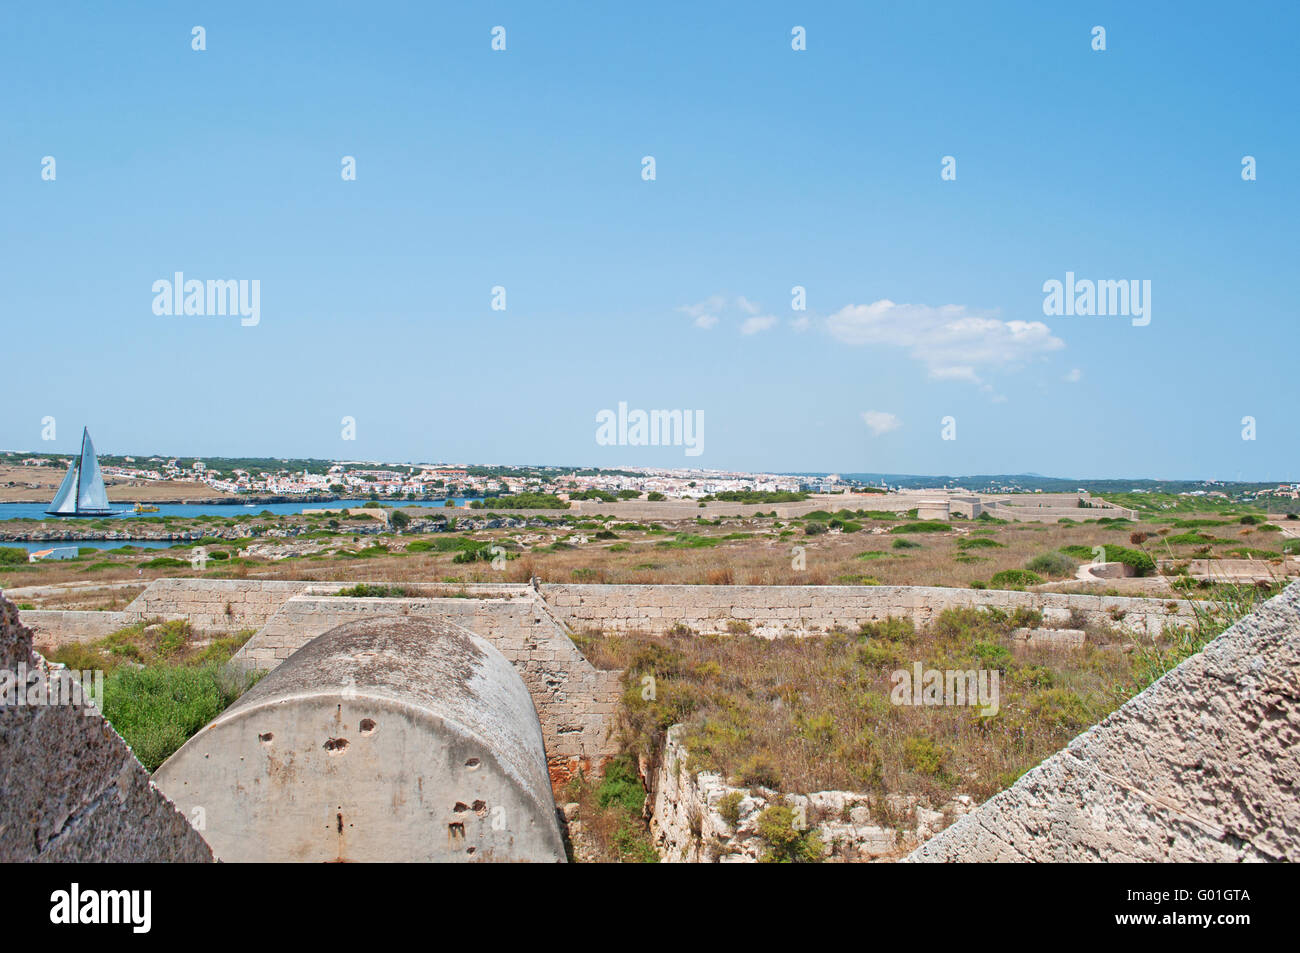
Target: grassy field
(819, 713)
(844, 548)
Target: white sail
(91, 494)
(65, 501)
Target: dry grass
(735, 551)
(802, 715)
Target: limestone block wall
(73, 791)
(52, 628)
(775, 611)
(215, 604)
(576, 703)
(1204, 765)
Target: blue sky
(775, 168)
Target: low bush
(1014, 579)
(922, 526)
(1056, 565)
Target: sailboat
(82, 491)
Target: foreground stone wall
(73, 791)
(1204, 765)
(802, 610)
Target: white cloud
(705, 312)
(879, 422)
(711, 310)
(1074, 376)
(953, 342)
(801, 323)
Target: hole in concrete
(367, 725)
(472, 763)
(336, 745)
(265, 738)
(460, 808)
(340, 820)
(470, 850)
(455, 831)
(480, 808)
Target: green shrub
(365, 590)
(978, 542)
(891, 629)
(157, 709)
(922, 526)
(729, 807)
(1060, 708)
(785, 843)
(1014, 579)
(1191, 539)
(1052, 564)
(620, 786)
(12, 555)
(923, 756)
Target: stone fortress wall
(1203, 765)
(73, 791)
(804, 610)
(577, 704)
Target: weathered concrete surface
(71, 788)
(576, 702)
(1202, 766)
(385, 739)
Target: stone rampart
(804, 610)
(73, 791)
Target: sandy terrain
(38, 485)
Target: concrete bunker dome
(384, 739)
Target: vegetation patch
(922, 526)
(161, 684)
